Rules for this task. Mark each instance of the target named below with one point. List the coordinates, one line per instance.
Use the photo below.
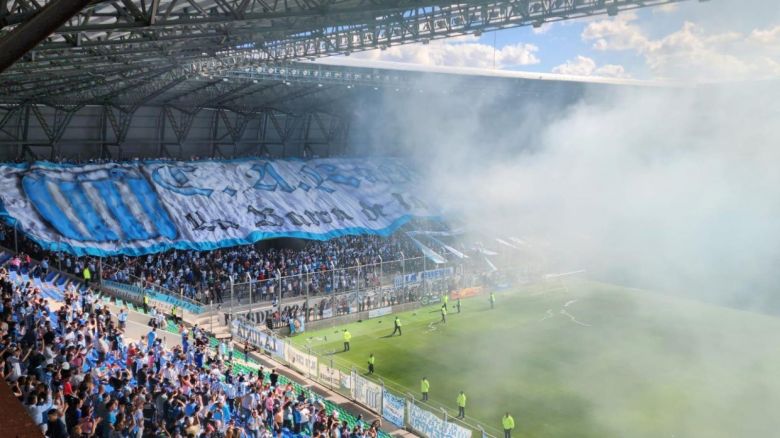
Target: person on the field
(492, 300)
(347, 337)
(397, 326)
(425, 386)
(444, 314)
(146, 303)
(457, 305)
(461, 405)
(371, 361)
(508, 423)
(445, 299)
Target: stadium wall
(352, 317)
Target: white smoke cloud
(650, 187)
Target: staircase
(213, 321)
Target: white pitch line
(564, 312)
(548, 315)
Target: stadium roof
(134, 52)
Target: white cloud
(766, 36)
(691, 52)
(458, 52)
(584, 66)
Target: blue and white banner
(305, 363)
(366, 392)
(416, 277)
(431, 426)
(136, 294)
(393, 408)
(243, 330)
(142, 207)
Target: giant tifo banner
(142, 207)
(431, 426)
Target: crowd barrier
(162, 301)
(400, 410)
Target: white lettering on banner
(367, 392)
(431, 426)
(346, 382)
(330, 376)
(417, 277)
(143, 207)
(305, 363)
(452, 430)
(382, 311)
(393, 408)
(246, 331)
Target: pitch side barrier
(390, 401)
(162, 301)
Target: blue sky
(701, 41)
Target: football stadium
(373, 219)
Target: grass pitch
(582, 359)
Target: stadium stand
(203, 275)
(67, 360)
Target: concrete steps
(214, 322)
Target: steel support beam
(27, 35)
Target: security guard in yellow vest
(444, 314)
(425, 386)
(371, 361)
(87, 275)
(508, 423)
(347, 337)
(461, 405)
(146, 303)
(396, 326)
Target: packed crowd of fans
(316, 267)
(70, 365)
